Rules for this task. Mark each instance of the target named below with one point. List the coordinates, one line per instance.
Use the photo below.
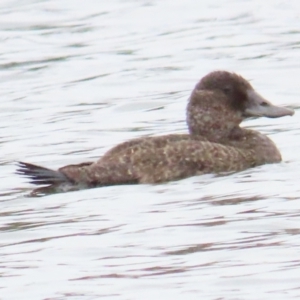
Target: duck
(214, 143)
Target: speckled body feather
(215, 144)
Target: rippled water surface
(78, 77)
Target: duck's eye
(264, 104)
(227, 90)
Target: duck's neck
(215, 130)
(211, 118)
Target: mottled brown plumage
(215, 143)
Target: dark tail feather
(40, 175)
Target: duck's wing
(176, 160)
(183, 159)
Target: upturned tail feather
(41, 176)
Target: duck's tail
(40, 175)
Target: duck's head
(221, 101)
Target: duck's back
(149, 143)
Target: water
(79, 77)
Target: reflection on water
(78, 79)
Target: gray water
(78, 77)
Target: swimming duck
(215, 143)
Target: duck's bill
(257, 106)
